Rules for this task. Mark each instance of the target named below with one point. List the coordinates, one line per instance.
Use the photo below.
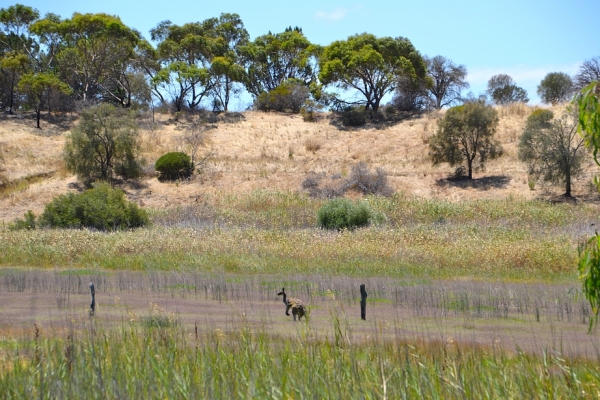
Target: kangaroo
(295, 304)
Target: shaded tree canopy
(503, 90)
(555, 88)
(552, 148)
(92, 52)
(370, 65)
(272, 59)
(466, 135)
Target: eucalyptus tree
(370, 65)
(92, 53)
(184, 54)
(552, 148)
(503, 90)
(272, 59)
(555, 88)
(589, 72)
(17, 49)
(466, 135)
(447, 81)
(36, 87)
(227, 64)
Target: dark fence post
(93, 305)
(363, 302)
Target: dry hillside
(254, 150)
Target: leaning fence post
(363, 302)
(93, 305)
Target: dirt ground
(273, 151)
(20, 311)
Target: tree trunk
(568, 183)
(38, 111)
(470, 168)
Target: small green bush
(28, 222)
(353, 116)
(342, 213)
(290, 96)
(101, 207)
(175, 165)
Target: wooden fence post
(93, 305)
(363, 302)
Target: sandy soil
(254, 150)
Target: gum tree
(370, 65)
(466, 135)
(552, 148)
(555, 88)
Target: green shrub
(290, 96)
(101, 207)
(342, 213)
(353, 116)
(175, 165)
(28, 222)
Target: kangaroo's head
(282, 293)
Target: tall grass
(274, 233)
(134, 361)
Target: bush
(287, 97)
(175, 165)
(103, 144)
(101, 207)
(28, 222)
(344, 214)
(364, 181)
(353, 116)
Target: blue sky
(523, 38)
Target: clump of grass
(312, 145)
(158, 318)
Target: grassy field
(477, 299)
(473, 289)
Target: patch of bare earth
(55, 313)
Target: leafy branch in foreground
(589, 274)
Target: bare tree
(448, 80)
(588, 72)
(193, 139)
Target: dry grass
(255, 150)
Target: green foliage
(555, 88)
(342, 213)
(503, 90)
(272, 59)
(370, 65)
(39, 86)
(175, 165)
(589, 116)
(353, 116)
(287, 97)
(93, 54)
(551, 148)
(466, 134)
(102, 208)
(309, 110)
(589, 275)
(104, 144)
(29, 222)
